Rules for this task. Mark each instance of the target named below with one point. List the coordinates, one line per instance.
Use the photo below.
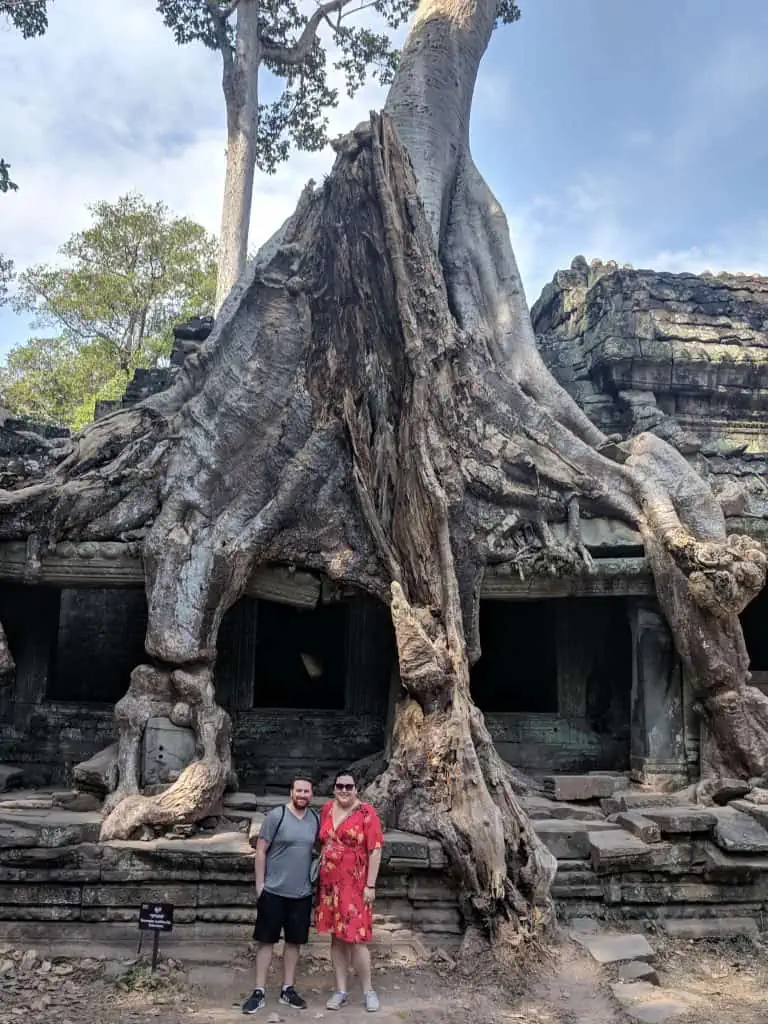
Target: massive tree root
(371, 404)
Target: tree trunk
(371, 404)
(241, 94)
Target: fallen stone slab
(637, 970)
(11, 777)
(99, 773)
(77, 801)
(540, 807)
(648, 1004)
(757, 811)
(617, 850)
(681, 820)
(613, 947)
(567, 839)
(710, 927)
(27, 803)
(581, 787)
(638, 825)
(732, 866)
(636, 799)
(54, 828)
(579, 926)
(735, 832)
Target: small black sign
(156, 917)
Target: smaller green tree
(110, 307)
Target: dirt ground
(726, 982)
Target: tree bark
(371, 404)
(241, 95)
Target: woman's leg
(361, 959)
(340, 960)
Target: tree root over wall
(371, 404)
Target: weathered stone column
(657, 733)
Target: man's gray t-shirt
(290, 852)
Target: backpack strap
(282, 815)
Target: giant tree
(371, 404)
(288, 38)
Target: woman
(351, 838)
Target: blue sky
(624, 130)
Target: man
(284, 891)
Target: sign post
(155, 918)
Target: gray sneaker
(371, 1001)
(337, 1000)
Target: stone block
(218, 895)
(732, 866)
(636, 970)
(56, 827)
(435, 887)
(98, 774)
(735, 832)
(11, 777)
(612, 948)
(167, 749)
(582, 787)
(710, 927)
(644, 1002)
(49, 895)
(405, 846)
(437, 919)
(51, 912)
(568, 840)
(77, 801)
(116, 895)
(121, 862)
(637, 799)
(15, 836)
(616, 850)
(226, 915)
(241, 802)
(44, 864)
(681, 820)
(638, 825)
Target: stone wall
(682, 355)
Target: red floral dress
(343, 873)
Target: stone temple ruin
(579, 680)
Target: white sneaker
(337, 1000)
(371, 1001)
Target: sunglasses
(345, 787)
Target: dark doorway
(301, 657)
(754, 622)
(517, 671)
(100, 641)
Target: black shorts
(276, 914)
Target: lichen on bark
(371, 404)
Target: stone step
(579, 788)
(732, 866)
(616, 850)
(538, 807)
(638, 825)
(710, 927)
(735, 832)
(614, 947)
(682, 820)
(568, 839)
(11, 777)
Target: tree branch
(297, 53)
(219, 19)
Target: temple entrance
(754, 621)
(555, 680)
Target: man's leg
(263, 960)
(290, 960)
(296, 920)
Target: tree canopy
(296, 42)
(112, 304)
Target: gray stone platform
(633, 855)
